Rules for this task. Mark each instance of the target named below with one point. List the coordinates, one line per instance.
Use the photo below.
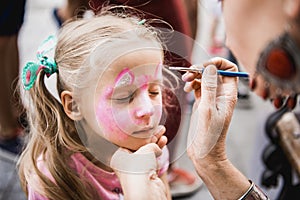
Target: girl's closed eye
(154, 90)
(123, 97)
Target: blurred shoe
(10, 187)
(183, 183)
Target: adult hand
(215, 98)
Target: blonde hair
(53, 135)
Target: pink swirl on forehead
(125, 77)
(158, 70)
(143, 81)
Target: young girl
(109, 80)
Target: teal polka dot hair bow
(48, 65)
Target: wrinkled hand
(138, 171)
(215, 98)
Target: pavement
(10, 188)
(245, 141)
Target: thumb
(138, 162)
(209, 84)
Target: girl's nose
(145, 107)
(144, 112)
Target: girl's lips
(144, 133)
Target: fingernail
(153, 175)
(160, 128)
(154, 139)
(184, 77)
(210, 70)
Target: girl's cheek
(102, 118)
(107, 120)
(158, 112)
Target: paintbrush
(220, 72)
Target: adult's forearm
(223, 180)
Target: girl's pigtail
(51, 135)
(54, 134)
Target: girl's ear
(70, 106)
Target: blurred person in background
(11, 118)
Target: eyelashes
(125, 99)
(155, 93)
(129, 97)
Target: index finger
(225, 65)
(222, 64)
(190, 76)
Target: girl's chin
(134, 148)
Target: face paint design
(121, 108)
(105, 113)
(158, 70)
(126, 77)
(143, 80)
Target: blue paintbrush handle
(234, 74)
(220, 72)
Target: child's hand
(144, 159)
(215, 98)
(159, 138)
(138, 172)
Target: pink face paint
(108, 117)
(111, 119)
(143, 81)
(119, 122)
(158, 70)
(125, 77)
(108, 92)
